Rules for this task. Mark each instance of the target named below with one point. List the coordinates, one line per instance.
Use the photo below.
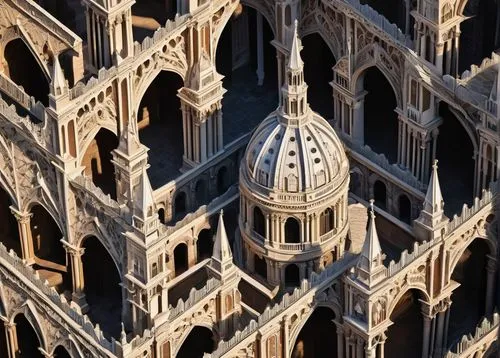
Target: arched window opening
(326, 223)
(292, 231)
(260, 267)
(404, 337)
(97, 161)
(23, 69)
(381, 122)
(455, 153)
(243, 65)
(204, 244)
(480, 31)
(380, 194)
(61, 352)
(404, 209)
(317, 336)
(161, 215)
(102, 287)
(200, 192)
(159, 119)
(180, 204)
(181, 262)
(199, 341)
(9, 229)
(50, 256)
(292, 276)
(469, 299)
(318, 63)
(27, 339)
(222, 180)
(259, 222)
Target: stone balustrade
(195, 296)
(485, 333)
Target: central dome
(294, 150)
(295, 158)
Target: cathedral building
(249, 178)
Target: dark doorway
(246, 103)
(22, 68)
(469, 298)
(380, 194)
(404, 209)
(380, 119)
(27, 338)
(161, 215)
(9, 230)
(292, 231)
(97, 161)
(159, 120)
(259, 222)
(181, 259)
(318, 63)
(455, 153)
(318, 337)
(201, 192)
(102, 287)
(292, 276)
(199, 341)
(260, 266)
(404, 336)
(204, 244)
(180, 205)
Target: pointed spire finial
(295, 62)
(372, 208)
(435, 165)
(222, 250)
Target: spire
(295, 63)
(221, 254)
(144, 199)
(434, 202)
(58, 85)
(432, 215)
(370, 266)
(294, 106)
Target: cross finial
(221, 212)
(435, 164)
(372, 208)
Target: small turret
(370, 267)
(222, 257)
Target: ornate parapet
(485, 335)
(195, 296)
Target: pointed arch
(29, 312)
(200, 329)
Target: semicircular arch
(404, 289)
(204, 322)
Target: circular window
(317, 160)
(314, 150)
(277, 137)
(271, 150)
(291, 153)
(308, 138)
(291, 165)
(292, 139)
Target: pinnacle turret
(221, 254)
(370, 267)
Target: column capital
(71, 249)
(23, 217)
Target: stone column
(490, 284)
(23, 221)
(426, 335)
(286, 335)
(340, 340)
(78, 295)
(358, 113)
(359, 347)
(11, 339)
(260, 50)
(381, 350)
